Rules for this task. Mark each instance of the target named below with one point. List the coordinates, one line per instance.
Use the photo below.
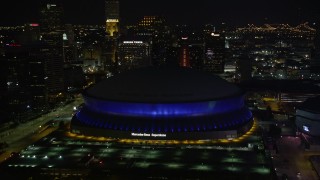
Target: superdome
(163, 84)
(163, 103)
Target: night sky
(194, 12)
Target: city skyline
(122, 89)
(204, 12)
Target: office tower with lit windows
(51, 30)
(214, 53)
(190, 46)
(37, 63)
(51, 18)
(196, 55)
(25, 90)
(191, 53)
(3, 90)
(147, 26)
(18, 94)
(37, 56)
(27, 74)
(69, 47)
(133, 54)
(112, 17)
(30, 34)
(154, 30)
(244, 66)
(184, 54)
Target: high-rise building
(69, 47)
(30, 34)
(51, 30)
(112, 17)
(196, 52)
(154, 30)
(38, 75)
(51, 15)
(133, 54)
(74, 78)
(36, 66)
(147, 26)
(191, 45)
(3, 89)
(25, 73)
(184, 58)
(18, 94)
(214, 53)
(244, 67)
(112, 13)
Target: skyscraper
(51, 15)
(184, 58)
(112, 17)
(69, 48)
(155, 30)
(18, 93)
(38, 77)
(214, 53)
(51, 30)
(244, 67)
(191, 46)
(112, 14)
(3, 90)
(133, 54)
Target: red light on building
(184, 56)
(13, 45)
(34, 25)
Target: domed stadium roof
(163, 84)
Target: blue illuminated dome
(163, 103)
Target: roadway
(27, 133)
(293, 160)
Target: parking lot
(57, 152)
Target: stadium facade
(163, 103)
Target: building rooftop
(311, 105)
